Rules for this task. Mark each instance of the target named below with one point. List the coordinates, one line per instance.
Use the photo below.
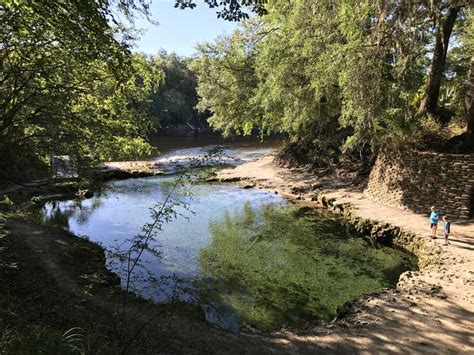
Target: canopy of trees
(175, 102)
(347, 75)
(231, 10)
(69, 84)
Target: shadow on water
(59, 213)
(283, 266)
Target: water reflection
(277, 266)
(58, 213)
(123, 208)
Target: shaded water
(242, 259)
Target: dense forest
(339, 78)
(345, 76)
(174, 103)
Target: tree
(232, 10)
(227, 81)
(175, 102)
(444, 28)
(69, 85)
(344, 74)
(469, 100)
(468, 43)
(297, 94)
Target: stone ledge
(427, 253)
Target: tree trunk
(469, 101)
(443, 33)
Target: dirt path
(431, 311)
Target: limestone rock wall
(385, 233)
(418, 180)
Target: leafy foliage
(346, 74)
(69, 85)
(174, 103)
(227, 81)
(232, 10)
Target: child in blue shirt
(434, 218)
(447, 229)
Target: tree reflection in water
(58, 213)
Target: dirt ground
(431, 311)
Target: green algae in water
(288, 266)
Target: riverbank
(430, 311)
(40, 191)
(57, 281)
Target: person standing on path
(447, 229)
(434, 218)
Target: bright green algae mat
(287, 266)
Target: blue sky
(180, 30)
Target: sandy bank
(129, 169)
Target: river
(245, 255)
